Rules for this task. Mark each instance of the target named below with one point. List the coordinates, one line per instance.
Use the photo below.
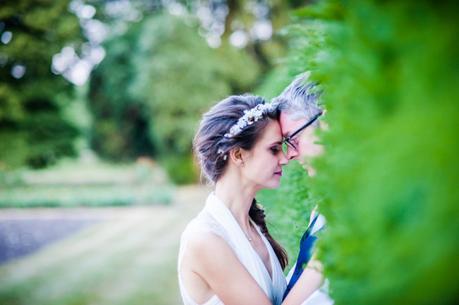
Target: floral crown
(250, 116)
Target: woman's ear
(236, 156)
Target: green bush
(181, 169)
(387, 183)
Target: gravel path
(19, 237)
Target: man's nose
(292, 153)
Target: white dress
(218, 219)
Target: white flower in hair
(250, 116)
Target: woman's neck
(237, 196)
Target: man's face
(305, 142)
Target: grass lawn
(130, 258)
(86, 182)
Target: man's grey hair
(300, 99)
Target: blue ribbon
(306, 244)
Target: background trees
(152, 88)
(165, 63)
(34, 129)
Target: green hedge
(388, 181)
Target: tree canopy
(33, 127)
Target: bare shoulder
(206, 247)
(215, 262)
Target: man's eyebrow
(286, 135)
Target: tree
(121, 124)
(33, 128)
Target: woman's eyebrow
(277, 142)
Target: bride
(227, 255)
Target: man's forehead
(289, 125)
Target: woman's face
(262, 165)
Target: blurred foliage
(158, 79)
(120, 121)
(33, 130)
(388, 181)
(145, 98)
(306, 47)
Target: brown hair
(212, 148)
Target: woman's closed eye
(276, 149)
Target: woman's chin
(274, 184)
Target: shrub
(388, 181)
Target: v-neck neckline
(263, 238)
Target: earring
(221, 152)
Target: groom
(300, 112)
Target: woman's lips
(278, 173)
